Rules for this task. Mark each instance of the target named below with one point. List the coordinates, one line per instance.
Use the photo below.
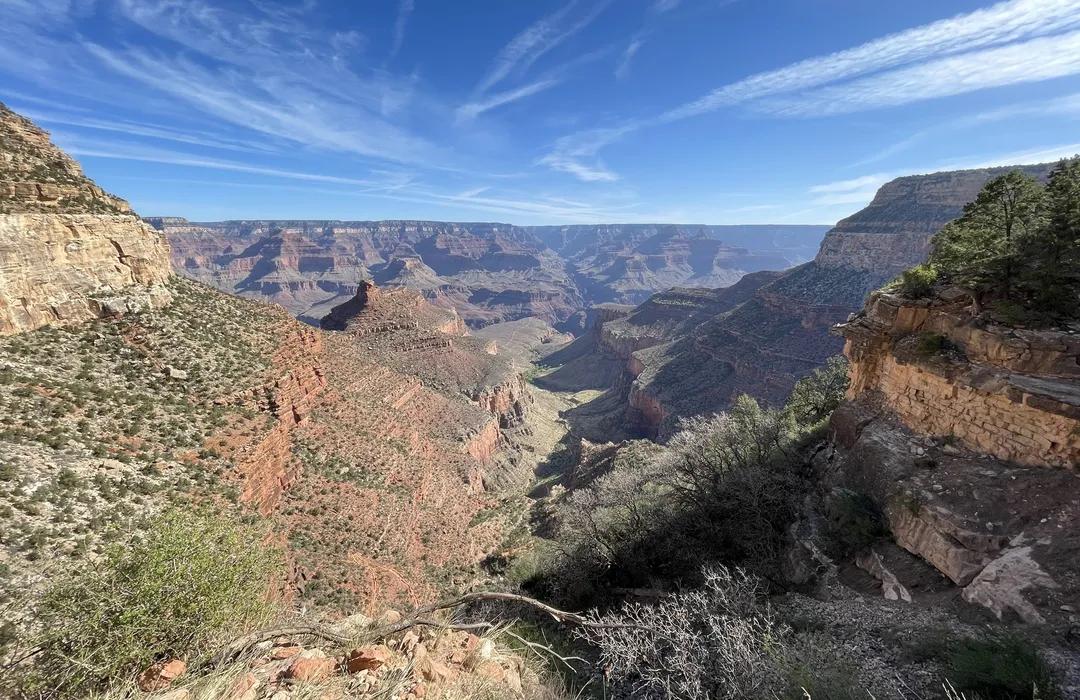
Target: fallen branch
(419, 619)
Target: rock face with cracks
(970, 448)
(69, 251)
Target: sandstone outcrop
(1010, 393)
(967, 434)
(69, 251)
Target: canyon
(488, 272)
(371, 446)
(420, 397)
(691, 352)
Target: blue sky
(539, 111)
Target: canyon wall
(489, 272)
(69, 251)
(1009, 393)
(967, 434)
(781, 331)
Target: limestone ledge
(59, 269)
(1008, 393)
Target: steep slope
(488, 272)
(68, 250)
(782, 332)
(370, 467)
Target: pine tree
(982, 250)
(1052, 255)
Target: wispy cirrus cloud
(1008, 43)
(1000, 24)
(857, 190)
(1028, 61)
(538, 39)
(405, 10)
(473, 109)
(577, 154)
(525, 49)
(271, 71)
(622, 69)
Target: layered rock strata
(1010, 393)
(967, 434)
(68, 250)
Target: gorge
(408, 411)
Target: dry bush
(712, 642)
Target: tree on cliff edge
(1052, 256)
(982, 250)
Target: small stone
(286, 652)
(174, 373)
(311, 665)
(161, 675)
(1067, 608)
(246, 687)
(370, 658)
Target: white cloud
(100, 149)
(576, 154)
(623, 68)
(405, 9)
(1008, 43)
(662, 6)
(1042, 154)
(474, 109)
(857, 190)
(1038, 59)
(122, 126)
(1003, 23)
(537, 39)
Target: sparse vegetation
(1001, 667)
(192, 580)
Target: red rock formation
(268, 467)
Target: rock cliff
(68, 250)
(781, 331)
(967, 435)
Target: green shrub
(930, 344)
(193, 581)
(817, 395)
(1003, 667)
(917, 282)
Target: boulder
(369, 658)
